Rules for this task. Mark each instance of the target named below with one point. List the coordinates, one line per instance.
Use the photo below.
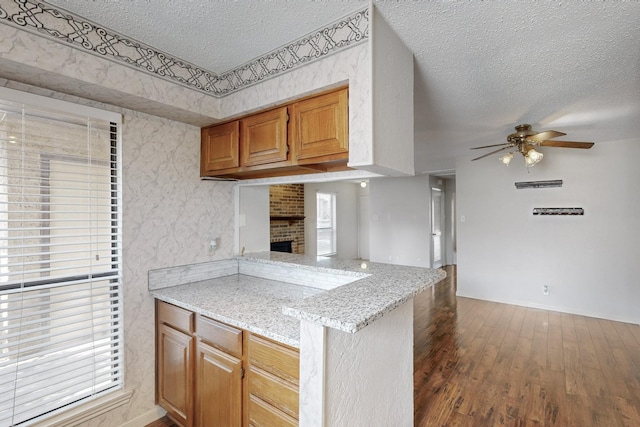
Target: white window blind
(60, 253)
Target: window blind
(60, 254)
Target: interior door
(437, 215)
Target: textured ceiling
(217, 35)
(481, 67)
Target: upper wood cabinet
(310, 135)
(219, 148)
(320, 128)
(263, 138)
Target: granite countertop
(251, 303)
(355, 305)
(272, 307)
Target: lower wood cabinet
(262, 414)
(274, 372)
(174, 387)
(212, 374)
(218, 388)
(174, 362)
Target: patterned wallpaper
(65, 27)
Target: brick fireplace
(286, 208)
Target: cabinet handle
(241, 373)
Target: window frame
(110, 397)
(333, 226)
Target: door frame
(441, 216)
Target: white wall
(391, 101)
(346, 212)
(400, 231)
(364, 219)
(589, 262)
(369, 383)
(253, 219)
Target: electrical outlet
(213, 245)
(545, 290)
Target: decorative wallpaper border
(65, 27)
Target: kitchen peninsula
(351, 321)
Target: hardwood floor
(162, 422)
(479, 363)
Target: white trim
(557, 309)
(87, 411)
(147, 418)
(43, 101)
(311, 177)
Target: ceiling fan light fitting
(533, 157)
(506, 159)
(524, 140)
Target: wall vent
(539, 184)
(558, 211)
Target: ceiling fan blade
(547, 134)
(493, 152)
(566, 144)
(494, 145)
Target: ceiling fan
(524, 141)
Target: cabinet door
(218, 389)
(219, 148)
(174, 374)
(320, 130)
(264, 138)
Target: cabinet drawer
(176, 317)
(281, 361)
(261, 414)
(274, 391)
(219, 335)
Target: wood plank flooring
(479, 363)
(162, 422)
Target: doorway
(437, 217)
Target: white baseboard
(146, 418)
(559, 309)
(84, 412)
